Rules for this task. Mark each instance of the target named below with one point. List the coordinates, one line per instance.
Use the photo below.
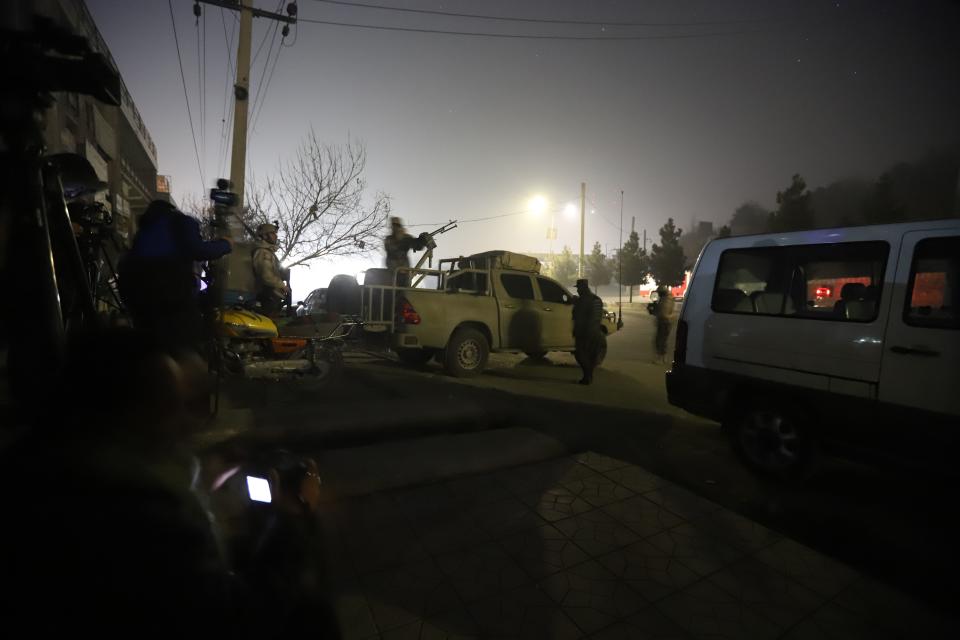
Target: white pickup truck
(495, 301)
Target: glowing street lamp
(538, 205)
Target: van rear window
(840, 282)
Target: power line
(610, 23)
(266, 88)
(260, 94)
(685, 36)
(226, 121)
(186, 98)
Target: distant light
(258, 489)
(538, 205)
(570, 209)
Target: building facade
(114, 140)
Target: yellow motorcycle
(251, 344)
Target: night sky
(721, 106)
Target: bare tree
(317, 200)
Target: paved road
(896, 525)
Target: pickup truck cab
(469, 307)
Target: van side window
(933, 292)
(517, 286)
(840, 282)
(552, 292)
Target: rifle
(430, 245)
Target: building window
(934, 289)
(840, 282)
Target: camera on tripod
(92, 216)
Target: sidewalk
(589, 546)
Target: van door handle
(509, 306)
(548, 308)
(915, 351)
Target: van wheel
(772, 441)
(466, 353)
(414, 357)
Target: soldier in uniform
(397, 246)
(587, 332)
(270, 275)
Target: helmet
(266, 228)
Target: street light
(538, 205)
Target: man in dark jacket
(158, 283)
(397, 246)
(587, 332)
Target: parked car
(847, 339)
(315, 303)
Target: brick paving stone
(598, 490)
(503, 517)
(389, 546)
(555, 503)
(591, 596)
(353, 615)
(481, 571)
(778, 598)
(635, 478)
(476, 490)
(596, 532)
(403, 595)
(526, 612)
(543, 551)
(812, 569)
(448, 532)
(695, 548)
(649, 571)
(450, 625)
(739, 531)
(599, 462)
(832, 622)
(643, 516)
(682, 502)
(648, 624)
(707, 611)
(544, 475)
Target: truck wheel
(772, 440)
(414, 357)
(467, 353)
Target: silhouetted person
(664, 314)
(158, 282)
(587, 330)
(105, 534)
(272, 290)
(398, 245)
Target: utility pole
(583, 211)
(620, 268)
(241, 95)
(644, 240)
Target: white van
(848, 338)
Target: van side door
(921, 356)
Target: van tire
(466, 353)
(414, 357)
(772, 439)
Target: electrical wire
(517, 36)
(260, 94)
(266, 88)
(186, 98)
(226, 115)
(610, 23)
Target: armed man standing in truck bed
(398, 244)
(587, 331)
